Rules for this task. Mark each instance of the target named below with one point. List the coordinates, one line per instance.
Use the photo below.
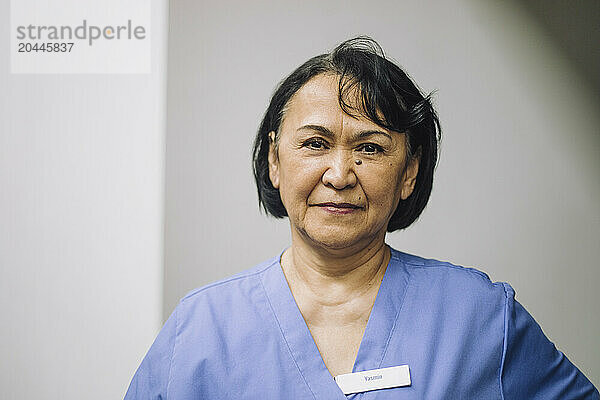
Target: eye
(315, 144)
(370, 148)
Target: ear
(409, 176)
(273, 161)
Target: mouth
(338, 208)
(339, 205)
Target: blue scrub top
(462, 336)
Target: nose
(340, 171)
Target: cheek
(382, 187)
(297, 179)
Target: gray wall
(517, 187)
(81, 225)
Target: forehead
(320, 88)
(317, 102)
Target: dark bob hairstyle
(386, 96)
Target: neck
(335, 277)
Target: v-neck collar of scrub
(380, 327)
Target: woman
(346, 151)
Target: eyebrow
(359, 135)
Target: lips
(339, 205)
(339, 209)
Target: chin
(332, 239)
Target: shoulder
(231, 284)
(460, 299)
(221, 302)
(466, 300)
(441, 276)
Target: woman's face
(340, 178)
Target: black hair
(386, 96)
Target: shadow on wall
(575, 29)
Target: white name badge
(374, 379)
